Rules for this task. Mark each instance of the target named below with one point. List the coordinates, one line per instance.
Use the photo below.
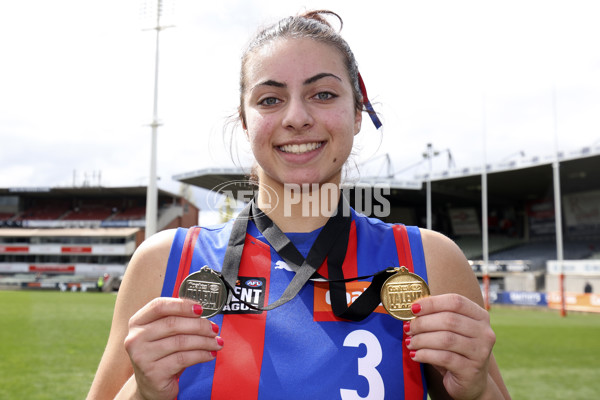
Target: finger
(448, 341)
(449, 302)
(174, 363)
(177, 325)
(444, 359)
(143, 353)
(162, 307)
(156, 373)
(446, 321)
(186, 343)
(149, 353)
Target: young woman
(301, 106)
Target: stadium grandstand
(522, 244)
(75, 238)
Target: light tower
(152, 191)
(429, 154)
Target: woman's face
(299, 111)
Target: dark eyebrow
(271, 82)
(320, 76)
(310, 80)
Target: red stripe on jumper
(187, 253)
(238, 365)
(413, 379)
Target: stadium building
(522, 245)
(69, 238)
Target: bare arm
(452, 332)
(152, 339)
(142, 282)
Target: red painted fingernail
(407, 340)
(413, 354)
(197, 308)
(406, 327)
(415, 308)
(220, 340)
(215, 328)
(213, 353)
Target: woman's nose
(297, 115)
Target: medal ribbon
(331, 244)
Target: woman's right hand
(166, 336)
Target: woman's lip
(300, 148)
(301, 157)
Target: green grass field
(51, 343)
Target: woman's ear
(357, 122)
(242, 118)
(243, 121)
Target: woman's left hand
(453, 334)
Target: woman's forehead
(293, 58)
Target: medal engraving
(400, 291)
(205, 287)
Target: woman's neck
(298, 208)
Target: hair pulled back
(309, 25)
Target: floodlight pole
(558, 212)
(429, 154)
(429, 157)
(484, 214)
(152, 191)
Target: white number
(367, 365)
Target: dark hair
(312, 25)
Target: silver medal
(207, 288)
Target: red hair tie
(367, 103)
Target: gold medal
(400, 291)
(207, 288)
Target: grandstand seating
(44, 210)
(46, 213)
(6, 216)
(89, 212)
(539, 252)
(132, 213)
(97, 211)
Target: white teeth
(300, 148)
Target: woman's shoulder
(156, 245)
(155, 248)
(448, 269)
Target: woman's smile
(300, 148)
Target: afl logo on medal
(207, 288)
(400, 291)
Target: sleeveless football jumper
(301, 350)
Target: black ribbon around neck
(331, 243)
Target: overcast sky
(77, 80)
